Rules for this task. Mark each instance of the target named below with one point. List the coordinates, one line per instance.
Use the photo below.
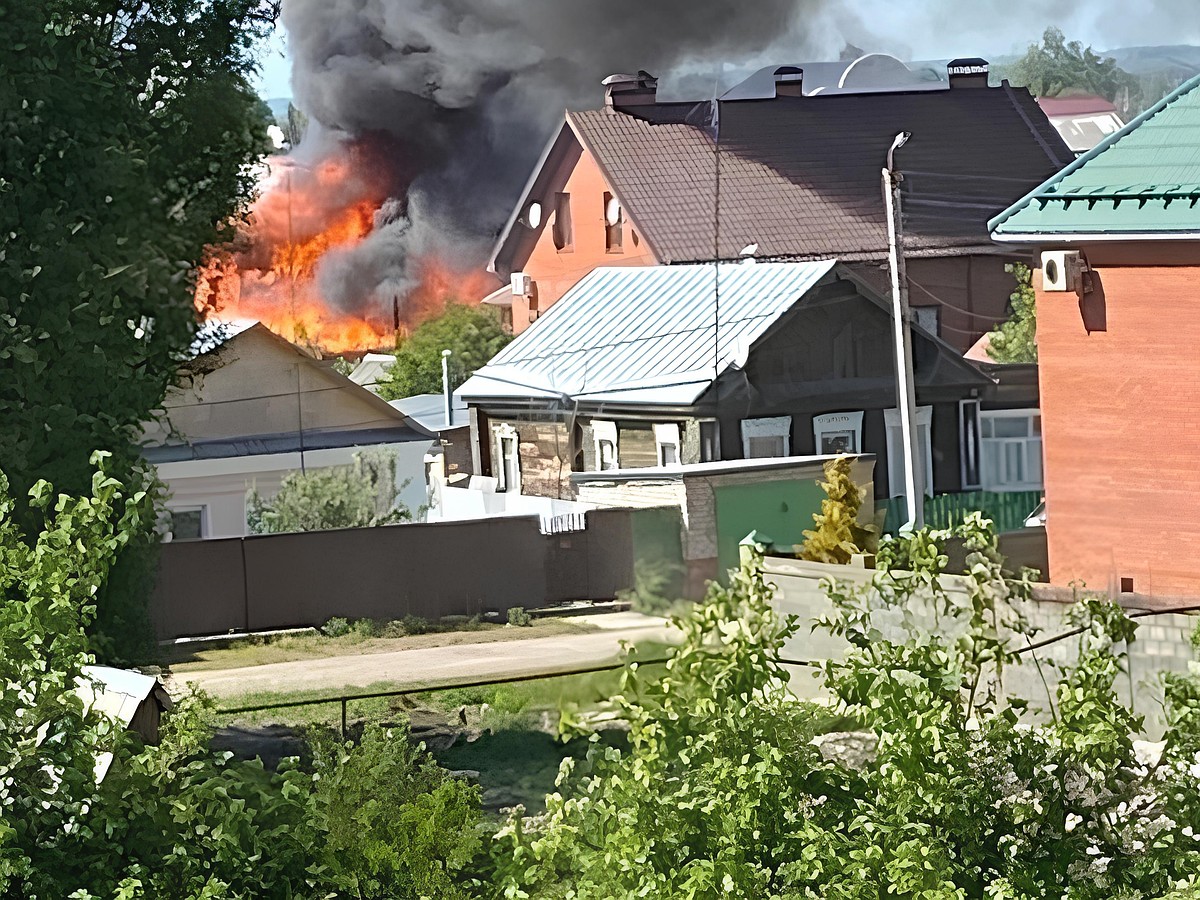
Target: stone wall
(1162, 643)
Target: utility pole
(906, 395)
(446, 387)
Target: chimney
(789, 81)
(967, 73)
(624, 91)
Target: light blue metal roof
(645, 335)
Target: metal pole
(906, 399)
(446, 387)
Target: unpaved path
(437, 665)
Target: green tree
(955, 792)
(1057, 66)
(176, 821)
(360, 495)
(1015, 341)
(472, 334)
(126, 130)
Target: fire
(271, 273)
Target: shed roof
(1143, 180)
(645, 335)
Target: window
(766, 438)
(564, 236)
(710, 441)
(968, 431)
(1011, 449)
(895, 449)
(666, 437)
(508, 470)
(605, 436)
(614, 218)
(927, 317)
(836, 433)
(188, 523)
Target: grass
(515, 753)
(358, 640)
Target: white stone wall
(1162, 643)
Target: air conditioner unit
(522, 284)
(1062, 270)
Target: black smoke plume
(464, 93)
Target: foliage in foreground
(177, 821)
(723, 792)
(360, 495)
(472, 334)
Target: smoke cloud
(463, 95)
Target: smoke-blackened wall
(464, 93)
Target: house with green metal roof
(1143, 182)
(1115, 240)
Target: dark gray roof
(800, 176)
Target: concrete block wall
(1162, 642)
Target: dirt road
(462, 662)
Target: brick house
(799, 154)
(1117, 238)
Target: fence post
(344, 702)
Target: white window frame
(201, 508)
(505, 433)
(838, 423)
(667, 435)
(895, 448)
(771, 426)
(713, 451)
(970, 449)
(605, 432)
(1028, 445)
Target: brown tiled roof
(800, 176)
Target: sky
(940, 29)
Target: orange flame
(300, 216)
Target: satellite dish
(749, 249)
(533, 214)
(612, 211)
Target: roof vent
(967, 73)
(622, 91)
(789, 81)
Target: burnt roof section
(800, 176)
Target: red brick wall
(1121, 424)
(556, 271)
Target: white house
(256, 408)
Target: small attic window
(614, 223)
(564, 234)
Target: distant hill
(1180, 61)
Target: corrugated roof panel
(652, 330)
(1145, 179)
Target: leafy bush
(361, 495)
(336, 627)
(399, 827)
(959, 794)
(519, 617)
(416, 625)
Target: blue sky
(939, 29)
